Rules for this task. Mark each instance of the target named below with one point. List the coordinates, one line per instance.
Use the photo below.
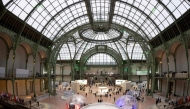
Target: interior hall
(89, 54)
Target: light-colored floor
(55, 102)
(60, 104)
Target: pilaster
(26, 87)
(6, 67)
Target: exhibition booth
(102, 91)
(126, 85)
(78, 85)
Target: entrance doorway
(170, 88)
(30, 86)
(16, 88)
(184, 89)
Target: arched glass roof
(90, 34)
(132, 49)
(101, 59)
(55, 18)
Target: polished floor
(56, 102)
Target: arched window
(101, 59)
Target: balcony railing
(171, 75)
(23, 76)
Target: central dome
(110, 35)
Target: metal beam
(65, 36)
(112, 7)
(55, 40)
(88, 7)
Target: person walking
(38, 104)
(30, 102)
(156, 101)
(142, 99)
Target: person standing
(30, 103)
(66, 106)
(38, 103)
(142, 99)
(156, 101)
(114, 99)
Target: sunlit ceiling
(54, 18)
(101, 59)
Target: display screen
(142, 72)
(119, 82)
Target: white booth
(126, 85)
(75, 85)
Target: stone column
(148, 82)
(26, 63)
(175, 87)
(26, 87)
(62, 74)
(160, 85)
(6, 70)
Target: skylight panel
(100, 9)
(5, 1)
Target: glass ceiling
(132, 49)
(101, 59)
(100, 9)
(54, 18)
(90, 34)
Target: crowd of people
(8, 96)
